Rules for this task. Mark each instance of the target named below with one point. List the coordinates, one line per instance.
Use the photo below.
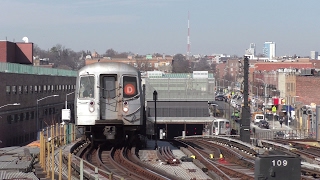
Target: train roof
(221, 119)
(108, 67)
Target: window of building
(27, 115)
(16, 118)
(21, 116)
(52, 88)
(26, 137)
(25, 89)
(44, 88)
(32, 115)
(20, 89)
(9, 119)
(31, 89)
(35, 89)
(8, 89)
(39, 89)
(48, 88)
(14, 89)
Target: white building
(269, 49)
(314, 55)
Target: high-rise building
(252, 49)
(269, 50)
(314, 55)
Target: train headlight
(125, 107)
(91, 106)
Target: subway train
(220, 126)
(109, 101)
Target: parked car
(263, 124)
(220, 98)
(279, 135)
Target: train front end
(109, 101)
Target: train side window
(129, 86)
(109, 87)
(86, 89)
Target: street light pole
(14, 104)
(66, 103)
(155, 97)
(38, 108)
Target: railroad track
(118, 162)
(235, 166)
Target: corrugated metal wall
(29, 69)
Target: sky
(161, 26)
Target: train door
(86, 113)
(221, 127)
(227, 127)
(216, 127)
(108, 97)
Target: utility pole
(245, 115)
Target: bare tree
(110, 53)
(180, 64)
(202, 65)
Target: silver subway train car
(109, 101)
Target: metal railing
(286, 134)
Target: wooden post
(69, 165)
(57, 135)
(44, 146)
(52, 158)
(60, 164)
(40, 153)
(48, 163)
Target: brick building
(19, 52)
(307, 88)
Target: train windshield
(109, 87)
(129, 86)
(221, 124)
(86, 89)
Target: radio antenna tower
(188, 39)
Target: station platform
(17, 162)
(185, 170)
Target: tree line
(66, 58)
